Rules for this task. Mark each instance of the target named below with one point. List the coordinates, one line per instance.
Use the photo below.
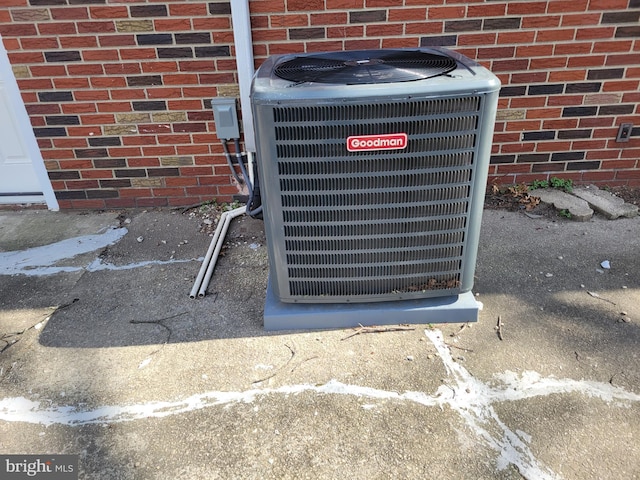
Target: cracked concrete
(142, 382)
(582, 201)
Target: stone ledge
(606, 203)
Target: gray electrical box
(226, 117)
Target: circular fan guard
(365, 66)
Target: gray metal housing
(375, 225)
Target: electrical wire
(227, 154)
(253, 188)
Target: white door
(23, 177)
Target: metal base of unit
(301, 316)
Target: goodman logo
(390, 141)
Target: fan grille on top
(365, 66)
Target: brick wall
(117, 90)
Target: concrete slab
(278, 315)
(606, 203)
(142, 382)
(578, 208)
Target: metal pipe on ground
(208, 264)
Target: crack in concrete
(464, 394)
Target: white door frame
(26, 132)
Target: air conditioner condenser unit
(373, 168)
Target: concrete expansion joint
(583, 201)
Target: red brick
(85, 69)
(96, 173)
(586, 61)
(214, 23)
(92, 94)
(335, 4)
(279, 21)
(587, 122)
(527, 78)
(18, 30)
(565, 100)
(446, 12)
(57, 154)
(580, 19)
(510, 65)
(56, 28)
(496, 52)
(387, 29)
(128, 68)
(567, 6)
(515, 37)
(96, 27)
(188, 10)
(39, 43)
(117, 152)
(522, 125)
(163, 66)
(117, 40)
(597, 176)
(78, 107)
(608, 4)
(70, 143)
(128, 94)
(612, 46)
(548, 62)
(109, 12)
(71, 83)
(69, 13)
(97, 119)
(617, 164)
(527, 102)
(573, 48)
(564, 123)
(592, 33)
(514, 168)
(93, 204)
(477, 39)
(181, 79)
(518, 147)
(143, 162)
(620, 86)
(534, 51)
(567, 75)
(556, 35)
(138, 53)
(629, 59)
(102, 55)
(119, 107)
(158, 151)
(544, 21)
(305, 5)
(403, 14)
(173, 24)
(526, 8)
(332, 18)
(35, 84)
(168, 192)
(48, 70)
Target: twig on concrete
(595, 295)
(293, 354)
(460, 331)
(459, 348)
(499, 328)
(159, 322)
(303, 361)
(374, 329)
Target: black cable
(227, 154)
(253, 189)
